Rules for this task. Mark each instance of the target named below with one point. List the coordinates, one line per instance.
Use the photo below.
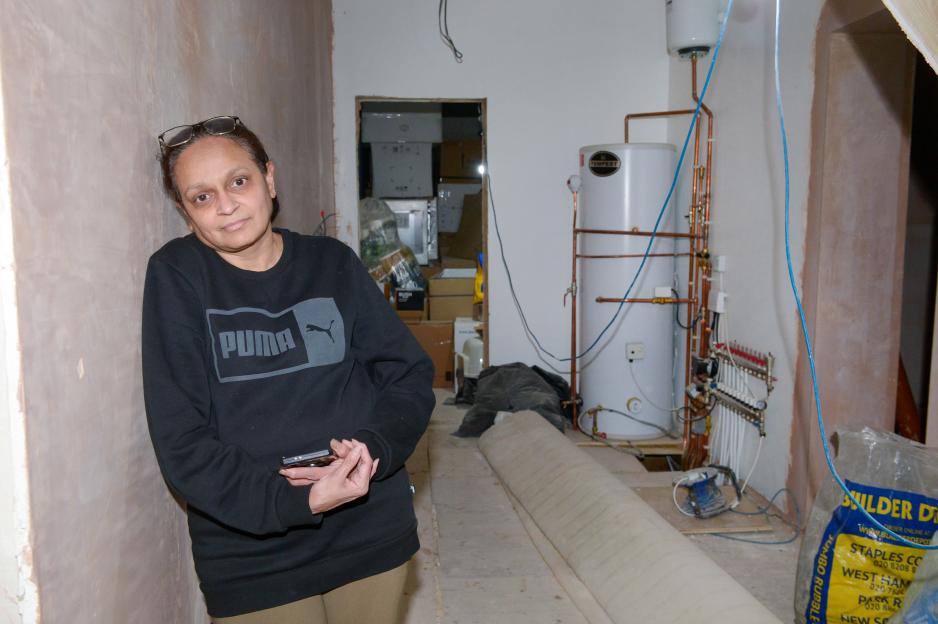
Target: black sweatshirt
(241, 368)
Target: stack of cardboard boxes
(449, 296)
(431, 318)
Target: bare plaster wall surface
(748, 193)
(87, 85)
(15, 573)
(556, 75)
(863, 83)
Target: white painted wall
(557, 75)
(748, 224)
(558, 78)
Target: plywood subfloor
(480, 561)
(661, 499)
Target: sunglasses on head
(180, 135)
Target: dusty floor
(483, 561)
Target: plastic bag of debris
(848, 570)
(382, 252)
(921, 600)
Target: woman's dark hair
(241, 135)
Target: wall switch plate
(635, 351)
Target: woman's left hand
(306, 475)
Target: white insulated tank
(623, 187)
(693, 25)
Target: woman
(260, 343)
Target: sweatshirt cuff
(293, 507)
(378, 450)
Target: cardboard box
(412, 316)
(436, 338)
(458, 263)
(450, 282)
(466, 242)
(450, 194)
(449, 307)
(461, 159)
(430, 270)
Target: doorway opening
(421, 184)
(856, 229)
(921, 261)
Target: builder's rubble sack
(848, 570)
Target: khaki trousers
(372, 600)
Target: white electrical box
(402, 127)
(720, 307)
(635, 351)
(402, 170)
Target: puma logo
(246, 342)
(328, 331)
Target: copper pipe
(661, 301)
(691, 273)
(632, 233)
(702, 276)
(573, 352)
(705, 327)
(651, 255)
(673, 113)
(698, 270)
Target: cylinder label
(604, 164)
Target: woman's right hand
(348, 478)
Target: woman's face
(227, 199)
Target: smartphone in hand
(316, 458)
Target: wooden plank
(660, 499)
(654, 446)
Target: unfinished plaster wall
(87, 85)
(855, 229)
(18, 598)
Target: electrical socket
(635, 351)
